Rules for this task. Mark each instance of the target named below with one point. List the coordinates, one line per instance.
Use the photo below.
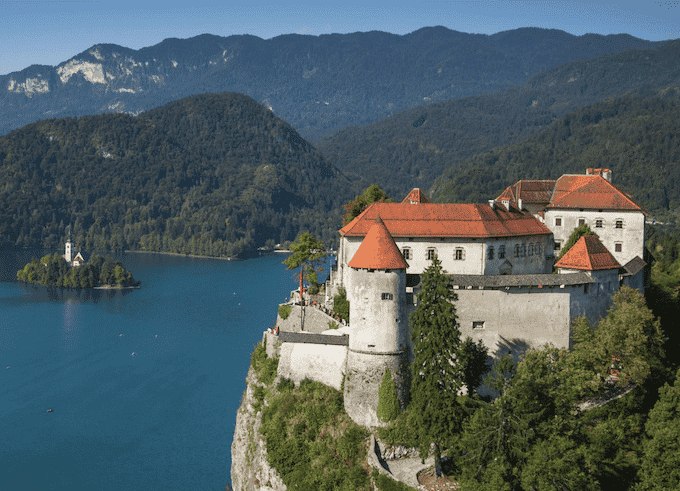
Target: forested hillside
(635, 135)
(414, 147)
(216, 174)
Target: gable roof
(533, 192)
(416, 196)
(445, 220)
(378, 250)
(588, 254)
(590, 191)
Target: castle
(499, 256)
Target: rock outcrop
(250, 470)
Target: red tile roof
(588, 254)
(378, 250)
(416, 196)
(445, 220)
(590, 191)
(534, 192)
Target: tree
(308, 252)
(474, 360)
(370, 195)
(629, 336)
(437, 371)
(341, 305)
(388, 402)
(660, 467)
(578, 232)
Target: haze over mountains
(222, 174)
(317, 84)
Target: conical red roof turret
(378, 250)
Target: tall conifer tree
(436, 370)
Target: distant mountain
(636, 135)
(215, 174)
(319, 84)
(414, 147)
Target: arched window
(530, 252)
(490, 252)
(524, 250)
(537, 248)
(501, 251)
(516, 250)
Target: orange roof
(416, 196)
(529, 192)
(588, 254)
(590, 191)
(445, 220)
(378, 250)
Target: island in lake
(65, 271)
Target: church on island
(500, 258)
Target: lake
(162, 418)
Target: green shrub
(385, 483)
(333, 325)
(388, 402)
(401, 431)
(258, 357)
(285, 385)
(269, 368)
(284, 311)
(259, 395)
(341, 305)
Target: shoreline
(222, 258)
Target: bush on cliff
(284, 311)
(388, 402)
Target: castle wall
(313, 319)
(516, 319)
(377, 325)
(362, 384)
(323, 363)
(593, 301)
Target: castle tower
(68, 251)
(379, 332)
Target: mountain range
(318, 84)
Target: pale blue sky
(50, 32)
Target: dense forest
(217, 175)
(52, 270)
(414, 147)
(635, 135)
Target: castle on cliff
(500, 258)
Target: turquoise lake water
(162, 418)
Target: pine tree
(437, 374)
(388, 402)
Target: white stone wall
(631, 236)
(323, 363)
(594, 300)
(377, 325)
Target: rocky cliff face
(250, 470)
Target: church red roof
(416, 196)
(588, 254)
(445, 220)
(590, 191)
(378, 250)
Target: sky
(52, 32)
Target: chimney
(492, 204)
(607, 174)
(519, 204)
(589, 171)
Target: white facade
(621, 232)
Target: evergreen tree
(308, 252)
(388, 402)
(437, 371)
(370, 195)
(661, 461)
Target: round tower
(68, 251)
(379, 333)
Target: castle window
(477, 324)
(537, 248)
(489, 252)
(530, 252)
(387, 296)
(581, 221)
(558, 245)
(459, 254)
(598, 223)
(406, 252)
(558, 222)
(618, 247)
(516, 250)
(431, 253)
(501, 251)
(524, 250)
(619, 224)
(585, 288)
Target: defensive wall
(306, 318)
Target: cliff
(250, 470)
